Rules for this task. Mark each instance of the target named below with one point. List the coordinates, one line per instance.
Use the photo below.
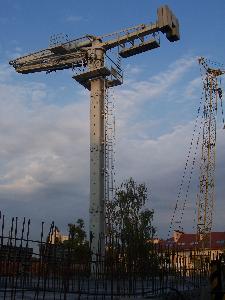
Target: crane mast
(206, 194)
(87, 56)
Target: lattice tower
(206, 194)
(204, 136)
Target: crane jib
(131, 41)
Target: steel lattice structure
(206, 194)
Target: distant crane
(206, 196)
(204, 135)
(88, 57)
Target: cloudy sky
(44, 119)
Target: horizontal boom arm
(73, 53)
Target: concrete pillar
(97, 129)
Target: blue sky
(44, 118)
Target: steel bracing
(206, 194)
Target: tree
(129, 222)
(77, 242)
(77, 234)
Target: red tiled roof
(218, 240)
(188, 241)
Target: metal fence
(41, 269)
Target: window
(194, 243)
(220, 242)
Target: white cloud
(45, 148)
(74, 18)
(39, 139)
(136, 93)
(5, 73)
(193, 87)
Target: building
(188, 241)
(186, 250)
(55, 237)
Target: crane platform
(115, 78)
(137, 49)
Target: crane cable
(196, 130)
(219, 92)
(187, 165)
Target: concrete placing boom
(87, 55)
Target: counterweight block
(168, 23)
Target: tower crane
(206, 194)
(87, 55)
(204, 135)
